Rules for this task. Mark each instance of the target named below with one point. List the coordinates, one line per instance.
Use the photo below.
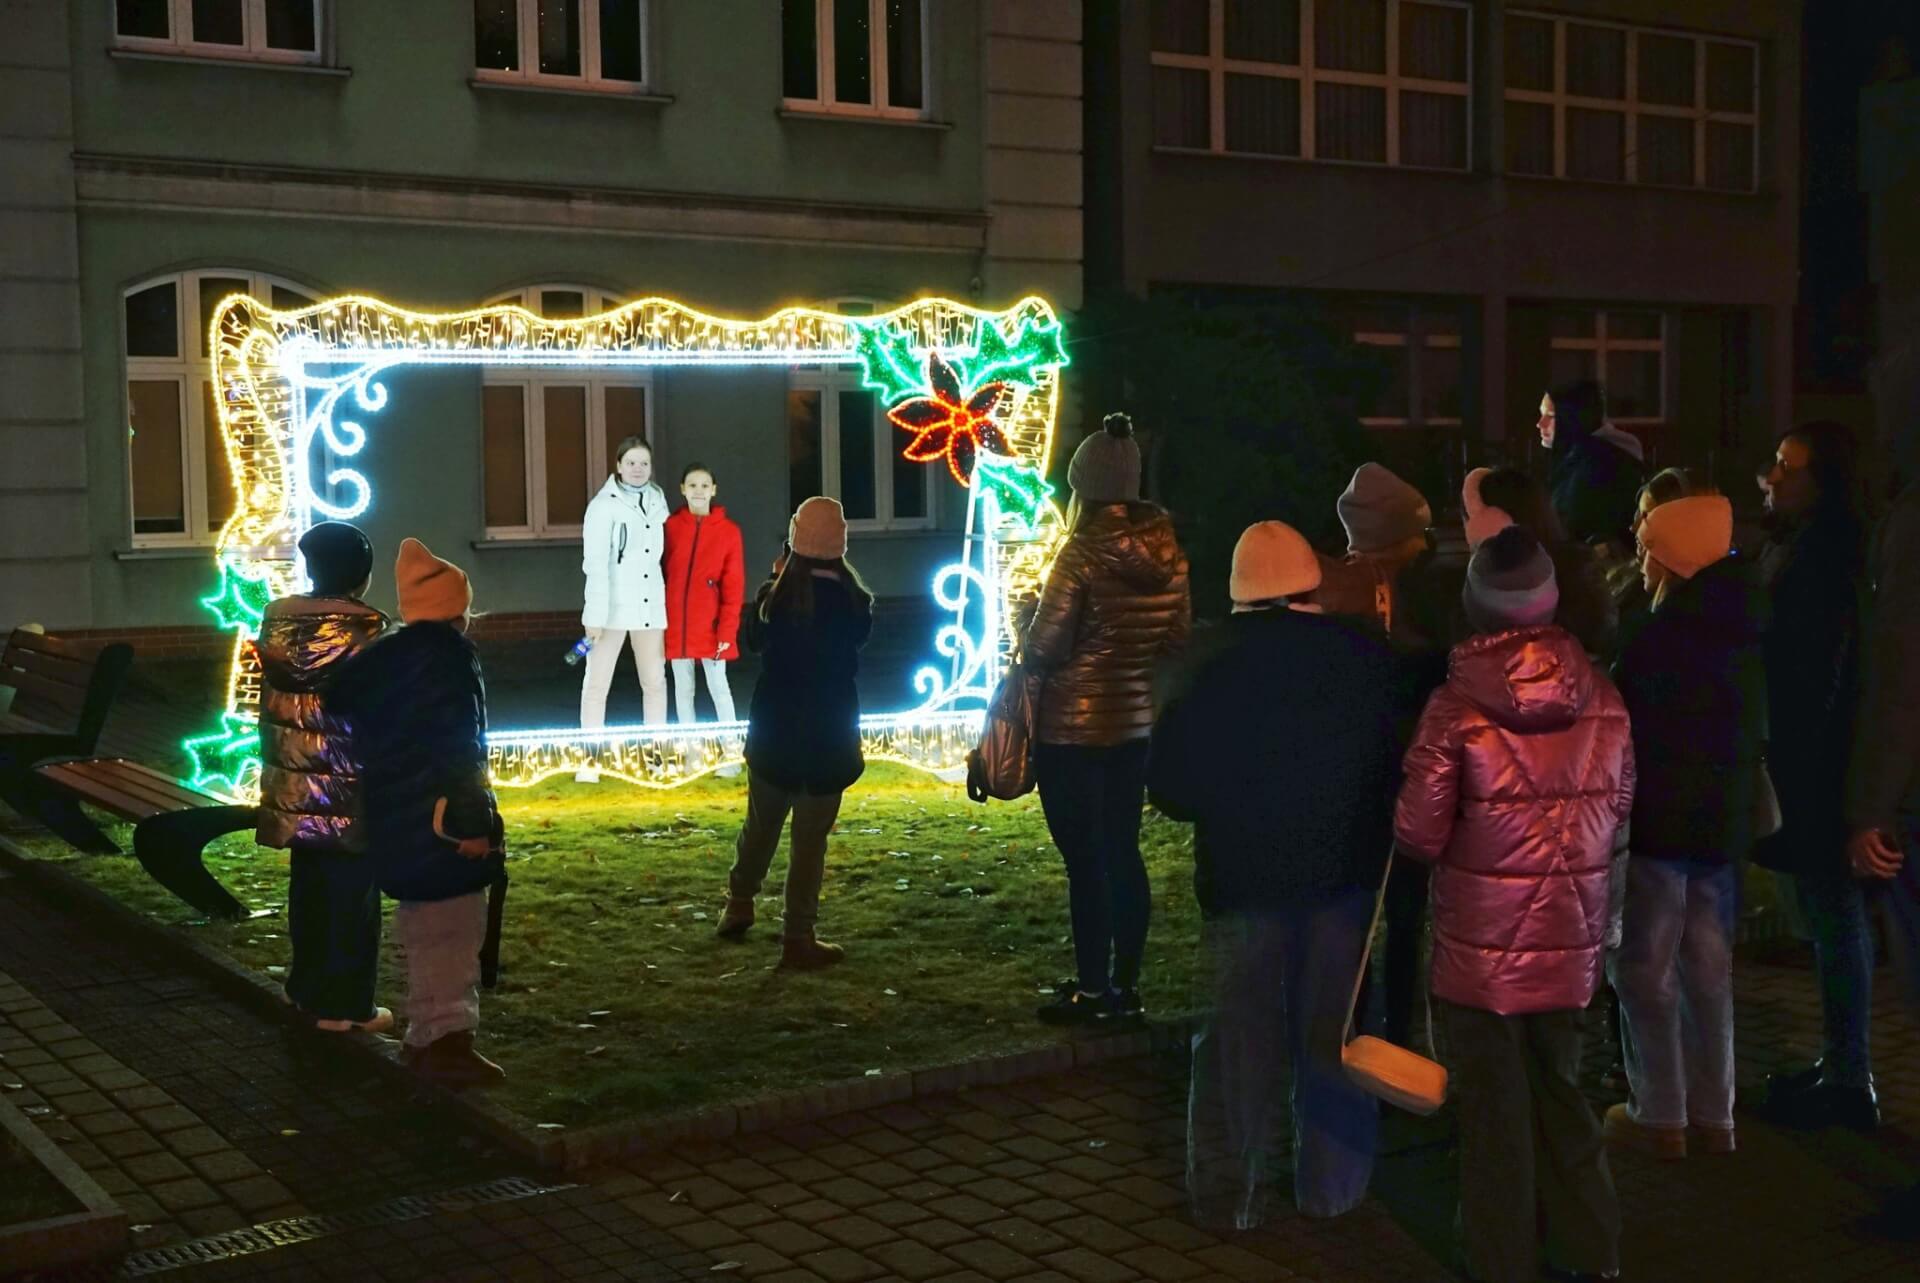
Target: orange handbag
(1392, 1073)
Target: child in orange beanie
(418, 707)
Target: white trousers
(649, 656)
(717, 688)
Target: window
(548, 437)
(254, 30)
(1382, 82)
(1626, 351)
(1420, 347)
(859, 57)
(841, 443)
(1619, 104)
(181, 488)
(598, 44)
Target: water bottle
(578, 651)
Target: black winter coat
(803, 731)
(418, 707)
(1695, 685)
(1817, 579)
(1285, 754)
(1594, 487)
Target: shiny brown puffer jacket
(308, 776)
(1115, 601)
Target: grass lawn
(27, 1193)
(616, 999)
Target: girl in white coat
(626, 592)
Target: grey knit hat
(1510, 583)
(1106, 467)
(1380, 510)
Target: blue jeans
(1092, 798)
(1835, 905)
(1899, 898)
(1281, 982)
(1673, 972)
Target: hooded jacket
(419, 711)
(706, 580)
(1519, 777)
(1695, 684)
(1285, 754)
(1115, 601)
(308, 776)
(1594, 482)
(1816, 577)
(803, 731)
(620, 546)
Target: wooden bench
(172, 822)
(62, 691)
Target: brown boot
(451, 1062)
(1625, 1131)
(804, 953)
(735, 918)
(1711, 1140)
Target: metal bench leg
(170, 848)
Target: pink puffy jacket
(1519, 776)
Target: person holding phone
(626, 594)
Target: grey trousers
(768, 806)
(441, 941)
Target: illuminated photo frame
(974, 391)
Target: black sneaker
(1826, 1104)
(1072, 1007)
(1127, 1005)
(1781, 1086)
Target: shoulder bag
(1394, 1074)
(1001, 766)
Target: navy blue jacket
(418, 707)
(1695, 683)
(1285, 754)
(803, 731)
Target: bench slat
(134, 778)
(38, 696)
(57, 668)
(86, 652)
(98, 793)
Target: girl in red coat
(705, 586)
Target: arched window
(841, 443)
(180, 488)
(548, 436)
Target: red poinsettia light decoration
(951, 423)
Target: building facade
(738, 155)
(1495, 195)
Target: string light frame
(976, 391)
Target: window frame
(179, 41)
(1416, 338)
(186, 369)
(1218, 66)
(1632, 109)
(1601, 344)
(828, 381)
(825, 104)
(532, 380)
(527, 37)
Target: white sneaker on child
(586, 775)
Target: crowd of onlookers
(1561, 735)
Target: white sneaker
(729, 771)
(381, 1022)
(586, 775)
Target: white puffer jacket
(620, 549)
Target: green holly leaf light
(1018, 360)
(1017, 488)
(889, 364)
(240, 602)
(227, 760)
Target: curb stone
(554, 1146)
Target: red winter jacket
(1519, 776)
(706, 582)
